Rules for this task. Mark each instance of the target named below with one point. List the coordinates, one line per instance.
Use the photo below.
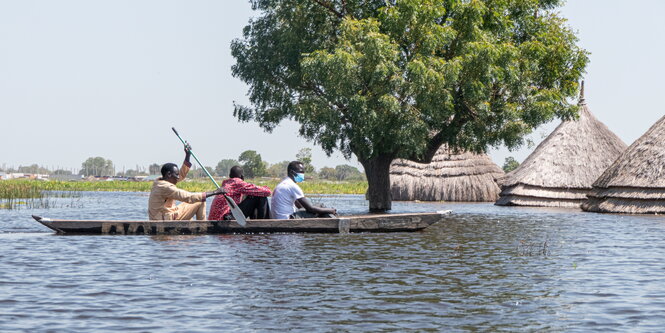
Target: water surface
(484, 268)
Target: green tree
(61, 172)
(97, 166)
(510, 164)
(197, 172)
(328, 173)
(347, 172)
(305, 156)
(224, 166)
(252, 164)
(130, 173)
(397, 79)
(277, 170)
(155, 169)
(34, 169)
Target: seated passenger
(254, 205)
(164, 193)
(288, 197)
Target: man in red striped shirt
(254, 205)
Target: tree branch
(341, 107)
(329, 7)
(462, 115)
(432, 147)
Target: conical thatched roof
(635, 182)
(449, 177)
(560, 172)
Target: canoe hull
(345, 224)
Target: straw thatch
(560, 172)
(635, 182)
(450, 176)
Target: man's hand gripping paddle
(235, 210)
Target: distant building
(151, 178)
(66, 177)
(20, 175)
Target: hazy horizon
(81, 79)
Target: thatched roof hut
(450, 176)
(560, 172)
(635, 182)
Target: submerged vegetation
(30, 194)
(17, 193)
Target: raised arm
(186, 165)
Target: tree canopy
(397, 79)
(97, 166)
(305, 156)
(510, 164)
(277, 170)
(224, 166)
(252, 164)
(341, 173)
(154, 169)
(197, 172)
(34, 168)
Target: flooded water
(484, 268)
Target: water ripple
(485, 268)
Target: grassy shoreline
(19, 188)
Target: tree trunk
(377, 170)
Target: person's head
(236, 172)
(170, 172)
(296, 171)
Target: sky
(81, 78)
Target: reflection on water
(484, 268)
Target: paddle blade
(236, 211)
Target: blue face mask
(299, 177)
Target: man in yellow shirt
(164, 193)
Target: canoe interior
(343, 224)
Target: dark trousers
(303, 214)
(254, 208)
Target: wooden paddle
(235, 210)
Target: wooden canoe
(343, 224)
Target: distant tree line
(35, 169)
(254, 166)
(251, 161)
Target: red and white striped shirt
(235, 188)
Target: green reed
(16, 194)
(322, 186)
(16, 189)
